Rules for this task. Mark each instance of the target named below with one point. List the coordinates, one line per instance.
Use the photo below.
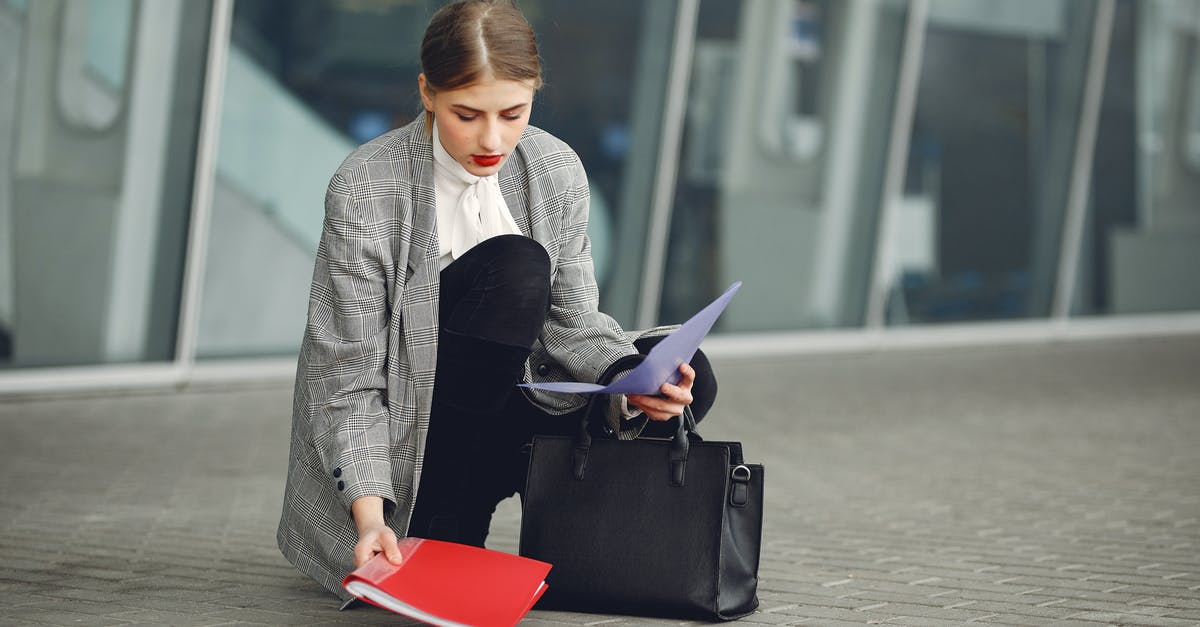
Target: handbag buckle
(739, 494)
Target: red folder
(443, 583)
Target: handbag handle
(677, 453)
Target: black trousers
(493, 305)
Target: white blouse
(470, 208)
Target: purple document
(662, 362)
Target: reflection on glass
(308, 82)
(99, 118)
(1142, 248)
(980, 219)
(94, 53)
(782, 159)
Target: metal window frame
(896, 168)
(204, 183)
(1071, 245)
(667, 167)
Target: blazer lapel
(424, 249)
(420, 300)
(516, 196)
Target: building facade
(876, 172)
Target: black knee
(499, 291)
(521, 266)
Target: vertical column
(668, 159)
(204, 182)
(1081, 168)
(634, 207)
(897, 163)
(139, 208)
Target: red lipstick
(487, 161)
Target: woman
(454, 264)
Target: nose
(489, 139)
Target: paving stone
(34, 615)
(129, 602)
(1023, 611)
(824, 612)
(923, 621)
(1123, 619)
(264, 616)
(177, 619)
(768, 618)
(1011, 485)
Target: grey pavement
(1022, 485)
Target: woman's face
(480, 124)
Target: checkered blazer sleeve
(344, 352)
(577, 334)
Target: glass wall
(99, 108)
(306, 83)
(784, 175)
(782, 162)
(978, 226)
(781, 165)
(1141, 243)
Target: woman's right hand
(374, 536)
(375, 540)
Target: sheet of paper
(662, 362)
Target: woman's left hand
(672, 401)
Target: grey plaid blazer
(365, 375)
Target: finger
(660, 416)
(673, 399)
(655, 403)
(689, 376)
(650, 406)
(656, 408)
(676, 394)
(362, 554)
(387, 540)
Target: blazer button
(341, 486)
(543, 369)
(337, 472)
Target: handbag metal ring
(740, 473)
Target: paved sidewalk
(1022, 485)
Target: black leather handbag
(645, 527)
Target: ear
(426, 96)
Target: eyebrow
(511, 109)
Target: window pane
(781, 168)
(606, 65)
(92, 62)
(979, 224)
(94, 198)
(308, 82)
(1142, 245)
